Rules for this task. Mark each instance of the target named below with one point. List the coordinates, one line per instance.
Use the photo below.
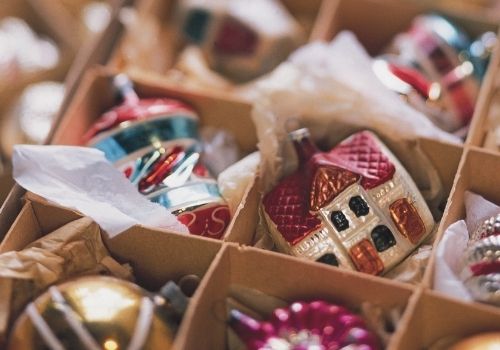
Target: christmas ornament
(155, 143)
(481, 262)
(240, 39)
(485, 341)
(450, 65)
(305, 325)
(31, 117)
(23, 51)
(99, 312)
(417, 90)
(354, 206)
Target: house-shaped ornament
(354, 206)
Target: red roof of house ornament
(319, 180)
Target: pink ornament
(305, 325)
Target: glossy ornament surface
(155, 143)
(99, 312)
(354, 206)
(315, 325)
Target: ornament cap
(178, 301)
(304, 147)
(124, 89)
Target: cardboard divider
(289, 279)
(481, 124)
(438, 320)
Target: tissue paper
(81, 178)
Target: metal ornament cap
(96, 312)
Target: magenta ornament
(305, 326)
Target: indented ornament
(99, 312)
(354, 206)
(305, 325)
(155, 143)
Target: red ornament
(154, 141)
(344, 206)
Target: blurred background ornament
(30, 119)
(240, 39)
(438, 69)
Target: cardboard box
(428, 316)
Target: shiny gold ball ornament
(485, 341)
(100, 312)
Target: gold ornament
(99, 312)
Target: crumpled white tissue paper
(81, 178)
(454, 243)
